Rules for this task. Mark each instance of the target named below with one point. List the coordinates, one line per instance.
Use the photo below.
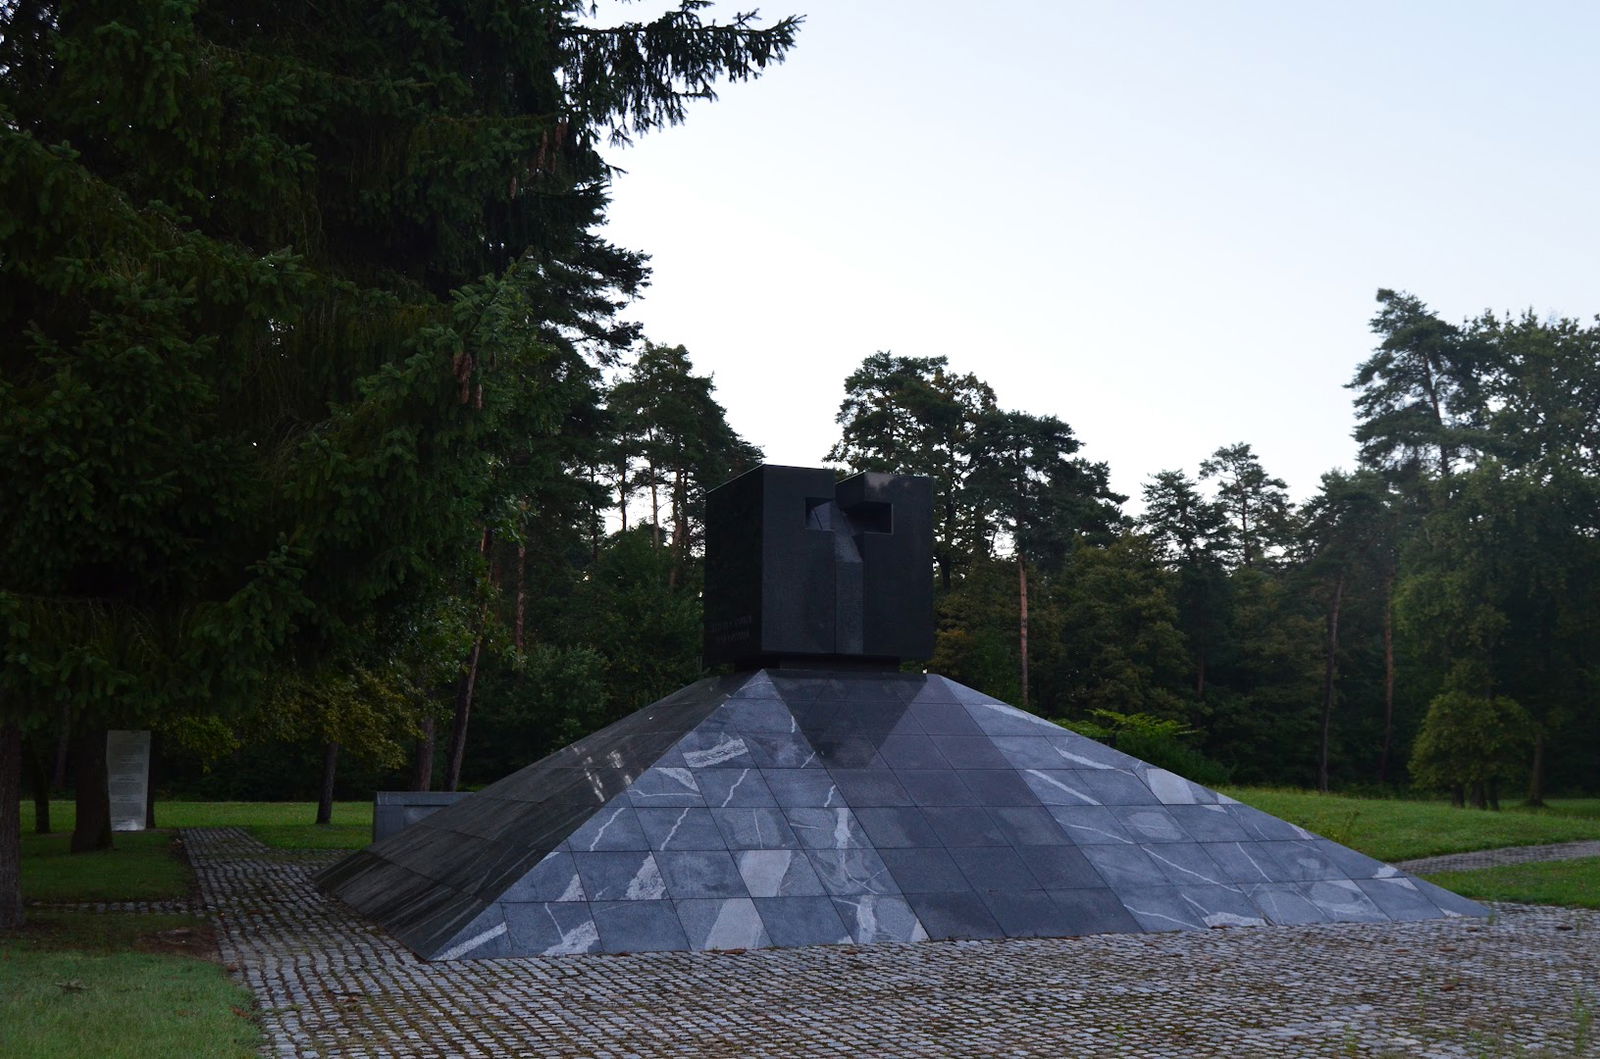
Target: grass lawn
(1396, 829)
(119, 986)
(287, 825)
(1575, 883)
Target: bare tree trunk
(1200, 673)
(1478, 801)
(93, 828)
(622, 493)
(458, 726)
(38, 756)
(330, 766)
(1458, 796)
(1388, 678)
(1494, 795)
(655, 509)
(521, 610)
(10, 827)
(58, 775)
(422, 763)
(1022, 622)
(1536, 772)
(1329, 671)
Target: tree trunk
(1022, 622)
(10, 827)
(1536, 772)
(39, 776)
(458, 726)
(520, 613)
(422, 763)
(1494, 795)
(1388, 678)
(655, 510)
(1329, 672)
(1458, 796)
(93, 829)
(1478, 801)
(622, 493)
(1200, 674)
(330, 766)
(58, 776)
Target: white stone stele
(128, 778)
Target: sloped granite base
(800, 807)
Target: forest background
(329, 460)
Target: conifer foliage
(280, 284)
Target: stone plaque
(128, 778)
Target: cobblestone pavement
(1494, 858)
(1524, 983)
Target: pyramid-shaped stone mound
(804, 807)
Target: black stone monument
(801, 568)
(817, 795)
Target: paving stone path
(1494, 858)
(1524, 983)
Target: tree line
(329, 460)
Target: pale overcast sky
(1163, 222)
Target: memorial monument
(819, 795)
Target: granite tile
(826, 828)
(1399, 898)
(1160, 908)
(555, 878)
(1089, 911)
(1123, 866)
(1060, 868)
(782, 750)
(1028, 825)
(890, 826)
(778, 873)
(927, 870)
(724, 788)
(960, 914)
(681, 827)
(1284, 903)
(731, 923)
(935, 787)
(616, 827)
(551, 928)
(874, 918)
(701, 873)
(964, 825)
(757, 828)
(802, 787)
(993, 868)
(665, 787)
(1209, 823)
(867, 788)
(1246, 862)
(911, 752)
(1149, 823)
(1090, 825)
(1343, 901)
(1025, 913)
(801, 921)
(620, 876)
(638, 926)
(847, 872)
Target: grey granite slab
(802, 787)
(1399, 898)
(865, 788)
(1208, 823)
(551, 928)
(826, 828)
(925, 870)
(993, 868)
(959, 914)
(801, 921)
(848, 872)
(1024, 913)
(936, 787)
(891, 826)
(1089, 911)
(730, 923)
(616, 827)
(725, 788)
(1343, 901)
(1124, 866)
(1246, 862)
(701, 873)
(1028, 825)
(1060, 867)
(638, 926)
(782, 750)
(681, 827)
(665, 787)
(778, 873)
(964, 825)
(873, 918)
(1090, 825)
(555, 878)
(619, 876)
(757, 828)
(911, 751)
(1284, 903)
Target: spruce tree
(278, 283)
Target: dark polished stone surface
(724, 818)
(799, 565)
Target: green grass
(287, 825)
(1396, 829)
(1574, 883)
(142, 867)
(70, 987)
